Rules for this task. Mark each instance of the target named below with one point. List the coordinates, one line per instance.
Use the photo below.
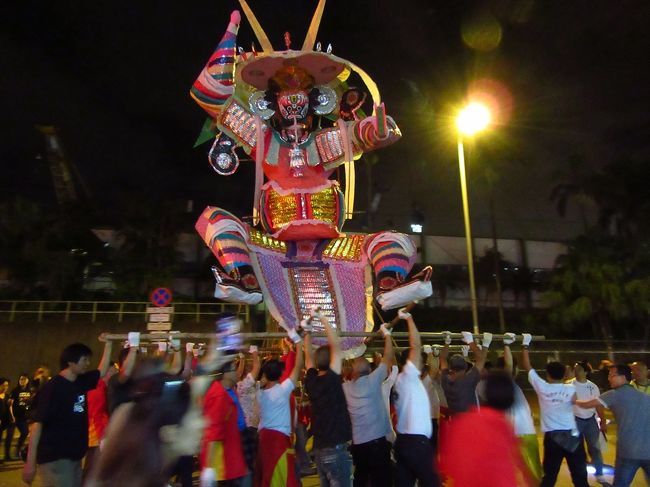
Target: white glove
(306, 325)
(526, 339)
(509, 338)
(385, 331)
(174, 343)
(403, 314)
(162, 347)
(207, 478)
(125, 344)
(487, 339)
(293, 335)
(252, 349)
(465, 350)
(315, 312)
(447, 337)
(436, 350)
(189, 347)
(134, 339)
(467, 337)
(427, 349)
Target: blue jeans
(588, 428)
(626, 470)
(334, 466)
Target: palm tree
(588, 285)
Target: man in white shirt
(275, 421)
(369, 417)
(561, 437)
(413, 452)
(586, 418)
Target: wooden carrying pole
(434, 336)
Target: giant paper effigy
(294, 114)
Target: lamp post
(471, 120)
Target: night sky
(114, 77)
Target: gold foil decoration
(345, 248)
(323, 205)
(260, 239)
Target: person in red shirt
(97, 417)
(494, 458)
(221, 448)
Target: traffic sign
(161, 309)
(159, 326)
(161, 296)
(159, 317)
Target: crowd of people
(423, 415)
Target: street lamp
(471, 120)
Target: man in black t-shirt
(20, 401)
(330, 418)
(59, 434)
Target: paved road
(10, 474)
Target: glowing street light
(471, 120)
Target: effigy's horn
(262, 38)
(215, 83)
(310, 39)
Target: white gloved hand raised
(465, 350)
(447, 337)
(293, 335)
(427, 349)
(189, 347)
(436, 350)
(384, 330)
(252, 349)
(134, 339)
(315, 312)
(526, 338)
(509, 338)
(307, 325)
(403, 314)
(467, 337)
(487, 339)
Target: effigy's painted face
(293, 112)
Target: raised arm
(525, 357)
(433, 361)
(105, 361)
(257, 365)
(444, 353)
(336, 357)
(415, 344)
(508, 339)
(241, 366)
(128, 364)
(186, 373)
(389, 352)
(297, 368)
(309, 352)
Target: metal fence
(110, 310)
